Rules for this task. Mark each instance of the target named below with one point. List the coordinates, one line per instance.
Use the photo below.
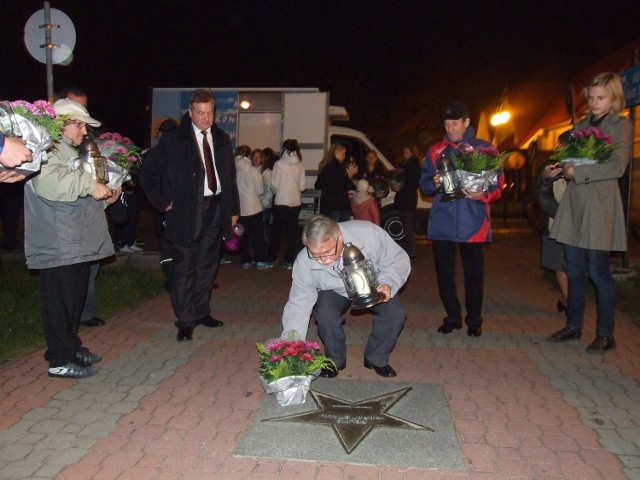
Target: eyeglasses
(77, 123)
(320, 258)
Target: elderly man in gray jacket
(65, 231)
(316, 281)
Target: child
(363, 205)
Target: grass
(118, 287)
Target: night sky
(384, 60)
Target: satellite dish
(63, 36)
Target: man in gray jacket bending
(316, 281)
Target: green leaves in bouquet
(284, 358)
(475, 161)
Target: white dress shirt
(199, 139)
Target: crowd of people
(202, 190)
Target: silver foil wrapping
(478, 182)
(117, 174)
(576, 162)
(36, 137)
(289, 390)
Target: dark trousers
(253, 246)
(388, 320)
(166, 250)
(125, 233)
(337, 215)
(595, 263)
(90, 308)
(444, 253)
(406, 217)
(266, 220)
(285, 222)
(62, 294)
(195, 267)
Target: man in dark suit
(195, 185)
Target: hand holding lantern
(449, 178)
(360, 279)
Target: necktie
(208, 163)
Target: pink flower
(289, 352)
(120, 149)
(105, 136)
(132, 158)
(306, 357)
(313, 345)
(127, 141)
(275, 358)
(466, 148)
(117, 137)
(489, 150)
(276, 345)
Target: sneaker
(72, 370)
(224, 261)
(85, 358)
(264, 265)
(247, 266)
(133, 248)
(287, 266)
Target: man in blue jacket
(465, 222)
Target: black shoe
(567, 333)
(601, 344)
(71, 370)
(474, 331)
(85, 358)
(448, 327)
(386, 371)
(184, 334)
(330, 372)
(209, 322)
(93, 322)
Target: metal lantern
(92, 161)
(450, 179)
(359, 278)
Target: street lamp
(500, 118)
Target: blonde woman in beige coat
(590, 219)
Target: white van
(265, 117)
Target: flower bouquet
(396, 178)
(122, 156)
(380, 186)
(287, 368)
(478, 169)
(588, 146)
(36, 123)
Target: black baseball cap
(455, 111)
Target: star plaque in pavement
(353, 421)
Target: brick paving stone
(575, 471)
(328, 471)
(139, 473)
(360, 472)
(388, 475)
